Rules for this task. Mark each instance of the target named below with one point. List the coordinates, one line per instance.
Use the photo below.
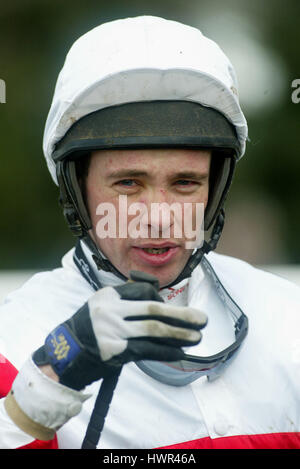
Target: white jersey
(254, 403)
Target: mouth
(155, 250)
(155, 255)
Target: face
(124, 189)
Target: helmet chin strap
(194, 260)
(207, 246)
(100, 261)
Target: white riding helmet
(144, 82)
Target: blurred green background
(262, 40)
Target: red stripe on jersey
(288, 440)
(7, 375)
(39, 444)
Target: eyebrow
(122, 173)
(191, 175)
(126, 173)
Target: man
(142, 323)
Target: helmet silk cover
(141, 59)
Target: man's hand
(116, 326)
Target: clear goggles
(185, 371)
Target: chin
(165, 267)
(164, 278)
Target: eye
(127, 186)
(185, 183)
(127, 182)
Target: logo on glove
(61, 347)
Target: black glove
(118, 325)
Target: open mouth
(155, 255)
(155, 250)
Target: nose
(160, 214)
